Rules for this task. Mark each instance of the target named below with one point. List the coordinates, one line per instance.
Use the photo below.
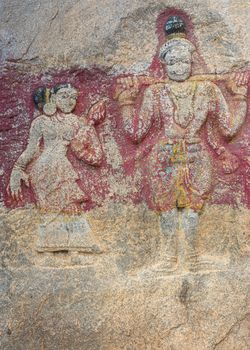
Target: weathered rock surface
(109, 293)
(111, 300)
(68, 33)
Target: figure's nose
(179, 69)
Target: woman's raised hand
(97, 112)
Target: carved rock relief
(171, 139)
(45, 167)
(179, 166)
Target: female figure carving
(44, 164)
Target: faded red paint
(18, 110)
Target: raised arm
(230, 119)
(18, 173)
(86, 145)
(137, 115)
(227, 120)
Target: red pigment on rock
(18, 110)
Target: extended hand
(14, 187)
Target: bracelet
(126, 103)
(18, 167)
(240, 97)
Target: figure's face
(66, 99)
(178, 64)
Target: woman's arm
(18, 172)
(86, 145)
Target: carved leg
(167, 260)
(190, 221)
(169, 227)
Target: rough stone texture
(110, 299)
(68, 33)
(72, 301)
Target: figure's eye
(172, 61)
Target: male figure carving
(180, 167)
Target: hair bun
(41, 96)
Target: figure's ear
(49, 108)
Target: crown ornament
(175, 30)
(175, 27)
